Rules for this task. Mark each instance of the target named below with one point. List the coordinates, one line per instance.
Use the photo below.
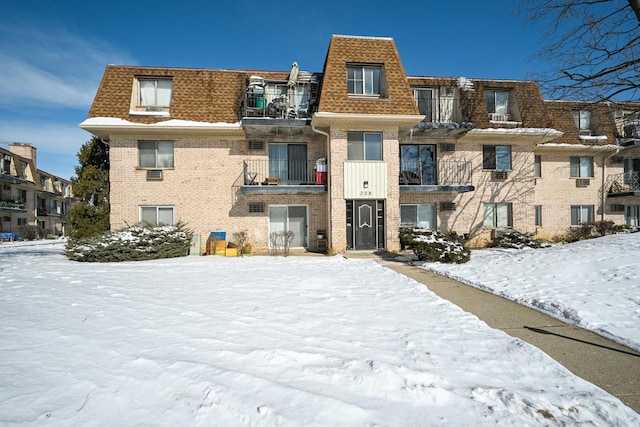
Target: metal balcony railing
(282, 172)
(627, 182)
(278, 100)
(449, 172)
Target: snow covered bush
(137, 243)
(429, 245)
(517, 240)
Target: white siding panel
(357, 173)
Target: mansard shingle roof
(364, 50)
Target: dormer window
(582, 119)
(364, 80)
(498, 105)
(152, 95)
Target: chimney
(25, 150)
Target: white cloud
(51, 68)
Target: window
(156, 215)
(288, 162)
(426, 101)
(537, 167)
(154, 92)
(538, 215)
(497, 215)
(581, 214)
(364, 80)
(581, 167)
(497, 104)
(155, 154)
(364, 146)
(22, 221)
(421, 216)
(496, 157)
(582, 118)
(632, 215)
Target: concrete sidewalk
(608, 365)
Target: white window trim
(157, 208)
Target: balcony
(12, 205)
(279, 107)
(443, 118)
(281, 176)
(623, 184)
(430, 177)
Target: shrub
(591, 230)
(429, 245)
(29, 232)
(518, 240)
(137, 243)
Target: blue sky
(53, 52)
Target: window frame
(352, 140)
(576, 164)
(494, 103)
(490, 159)
(415, 223)
(537, 166)
(495, 215)
(365, 80)
(579, 209)
(581, 124)
(142, 103)
(537, 215)
(157, 163)
(157, 209)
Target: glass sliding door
(418, 164)
(288, 162)
(290, 218)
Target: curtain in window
(147, 92)
(148, 214)
(355, 146)
(372, 81)
(489, 215)
(427, 216)
(632, 215)
(426, 103)
(503, 215)
(446, 104)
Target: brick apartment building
(347, 156)
(30, 196)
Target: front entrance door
(365, 224)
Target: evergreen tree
(91, 185)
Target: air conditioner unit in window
(154, 175)
(447, 206)
(447, 147)
(582, 182)
(585, 132)
(500, 174)
(499, 117)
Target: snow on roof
(114, 121)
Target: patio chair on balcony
(250, 178)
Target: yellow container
(232, 252)
(218, 247)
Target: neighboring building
(346, 157)
(31, 197)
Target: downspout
(328, 151)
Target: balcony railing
(278, 100)
(450, 172)
(11, 204)
(623, 183)
(282, 172)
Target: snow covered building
(30, 196)
(347, 156)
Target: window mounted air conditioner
(447, 206)
(583, 182)
(495, 117)
(447, 147)
(154, 175)
(500, 174)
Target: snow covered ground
(594, 284)
(263, 341)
